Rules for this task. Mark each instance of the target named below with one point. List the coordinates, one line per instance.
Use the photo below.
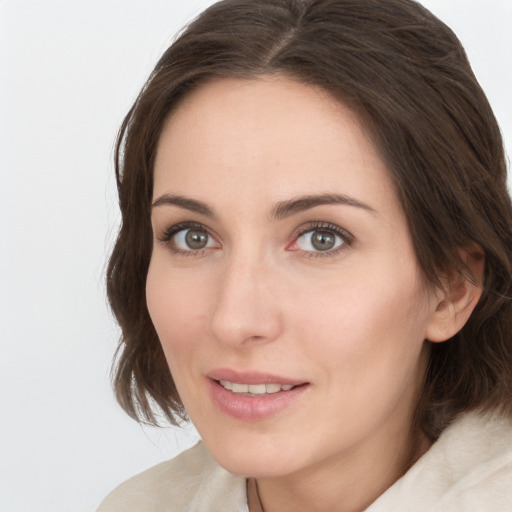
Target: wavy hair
(407, 76)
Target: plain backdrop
(69, 71)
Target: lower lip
(255, 408)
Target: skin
(351, 322)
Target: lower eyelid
(168, 239)
(344, 235)
(167, 233)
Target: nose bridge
(246, 306)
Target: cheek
(369, 320)
(177, 308)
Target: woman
(314, 265)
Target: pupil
(323, 240)
(196, 239)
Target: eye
(192, 239)
(188, 238)
(321, 238)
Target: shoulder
(191, 481)
(469, 469)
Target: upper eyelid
(347, 240)
(167, 235)
(173, 229)
(323, 225)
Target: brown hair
(408, 77)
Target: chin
(256, 467)
(255, 457)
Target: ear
(454, 304)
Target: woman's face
(282, 259)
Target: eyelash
(346, 237)
(166, 238)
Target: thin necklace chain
(253, 495)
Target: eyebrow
(286, 209)
(281, 210)
(185, 203)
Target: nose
(247, 308)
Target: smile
(254, 389)
(258, 400)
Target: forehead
(270, 136)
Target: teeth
(226, 384)
(254, 389)
(240, 388)
(258, 389)
(273, 388)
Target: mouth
(254, 390)
(254, 396)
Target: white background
(69, 71)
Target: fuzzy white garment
(469, 469)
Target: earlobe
(455, 303)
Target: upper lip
(251, 377)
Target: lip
(252, 408)
(251, 377)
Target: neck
(349, 484)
